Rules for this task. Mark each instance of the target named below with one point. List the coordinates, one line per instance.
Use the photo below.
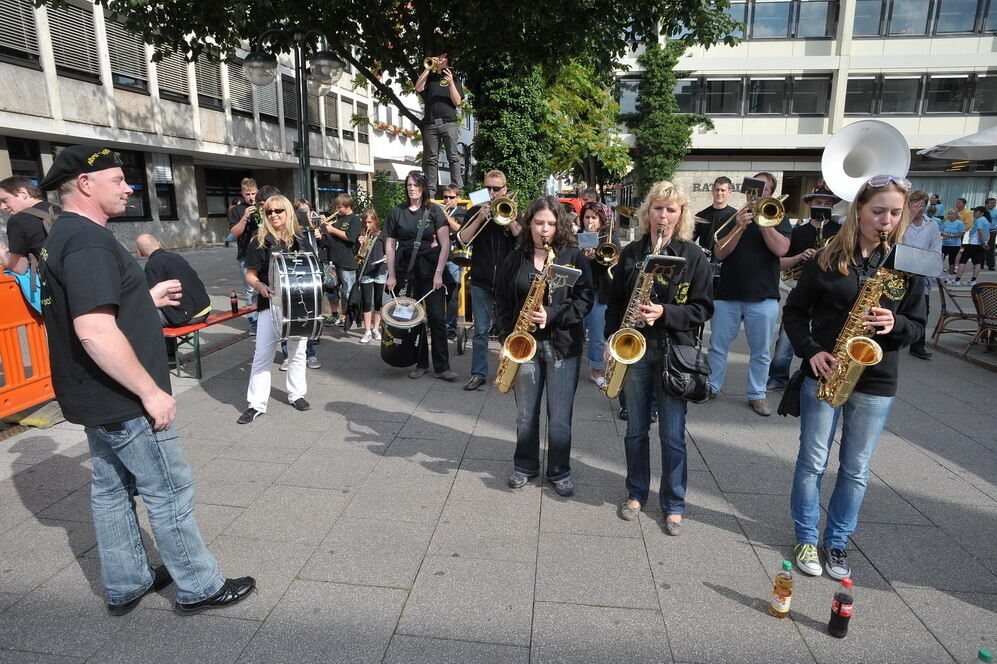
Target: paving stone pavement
(380, 529)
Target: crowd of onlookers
(968, 236)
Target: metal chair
(985, 301)
(946, 317)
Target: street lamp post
(324, 69)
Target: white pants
(259, 378)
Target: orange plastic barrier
(20, 324)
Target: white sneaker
(284, 364)
(377, 334)
(365, 339)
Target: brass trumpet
(767, 212)
(432, 64)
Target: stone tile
(290, 514)
(266, 450)
(35, 551)
(739, 473)
(74, 507)
(327, 622)
(591, 511)
(704, 550)
(465, 599)
(889, 646)
(370, 552)
(882, 504)
(962, 622)
(7, 599)
(162, 637)
(602, 571)
(419, 456)
(25, 657)
(372, 435)
(334, 466)
(420, 650)
(972, 526)
(499, 448)
(392, 497)
(486, 479)
(564, 633)
(764, 518)
(234, 482)
(454, 429)
(478, 530)
(878, 606)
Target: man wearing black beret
(110, 374)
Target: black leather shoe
(418, 372)
(301, 404)
(624, 415)
(160, 579)
(473, 383)
(449, 374)
(232, 592)
(920, 353)
(247, 417)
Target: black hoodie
(566, 307)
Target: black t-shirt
(258, 258)
(436, 97)
(805, 236)
(375, 265)
(342, 253)
(703, 233)
(163, 265)
(751, 272)
(249, 233)
(403, 225)
(84, 267)
(493, 244)
(26, 232)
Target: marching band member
(559, 337)
(401, 232)
(678, 306)
(279, 231)
(814, 316)
(595, 219)
(375, 273)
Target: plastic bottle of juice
(782, 591)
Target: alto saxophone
(363, 252)
(854, 349)
(627, 345)
(520, 346)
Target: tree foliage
(582, 120)
(663, 136)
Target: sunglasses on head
(495, 188)
(275, 211)
(880, 181)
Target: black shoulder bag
(684, 371)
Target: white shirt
(925, 236)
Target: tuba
(520, 346)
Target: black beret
(78, 159)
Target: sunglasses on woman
(276, 211)
(880, 181)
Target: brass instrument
(431, 64)
(364, 246)
(504, 211)
(626, 211)
(520, 346)
(793, 273)
(767, 212)
(627, 345)
(855, 349)
(607, 254)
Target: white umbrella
(981, 146)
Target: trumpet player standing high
(748, 292)
(441, 94)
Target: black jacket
(566, 307)
(816, 310)
(687, 297)
(163, 265)
(601, 280)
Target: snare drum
(461, 256)
(296, 304)
(402, 331)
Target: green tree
(663, 136)
(582, 120)
(386, 195)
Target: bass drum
(296, 305)
(403, 331)
(461, 256)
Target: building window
(209, 83)
(18, 38)
(909, 17)
(629, 90)
(138, 202)
(868, 18)
(738, 12)
(946, 94)
(314, 118)
(222, 187)
(162, 177)
(903, 18)
(860, 96)
(900, 95)
(687, 95)
(127, 55)
(723, 96)
(766, 96)
(74, 42)
(956, 16)
(266, 96)
(985, 97)
(240, 90)
(770, 20)
(25, 158)
(810, 95)
(991, 23)
(289, 90)
(816, 19)
(362, 129)
(171, 71)
(331, 115)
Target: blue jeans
(782, 361)
(346, 280)
(643, 381)
(250, 295)
(482, 306)
(864, 419)
(454, 271)
(560, 377)
(139, 459)
(759, 326)
(595, 325)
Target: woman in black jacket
(680, 303)
(595, 218)
(559, 336)
(814, 316)
(372, 279)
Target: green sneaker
(807, 560)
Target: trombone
(504, 211)
(767, 212)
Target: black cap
(79, 159)
(821, 191)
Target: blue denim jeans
(864, 417)
(643, 381)
(595, 325)
(249, 294)
(782, 360)
(560, 378)
(759, 326)
(482, 306)
(454, 270)
(346, 280)
(139, 459)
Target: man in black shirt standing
(341, 245)
(718, 212)
(748, 292)
(110, 374)
(807, 239)
(243, 222)
(162, 265)
(441, 95)
(25, 229)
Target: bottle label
(843, 610)
(780, 604)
